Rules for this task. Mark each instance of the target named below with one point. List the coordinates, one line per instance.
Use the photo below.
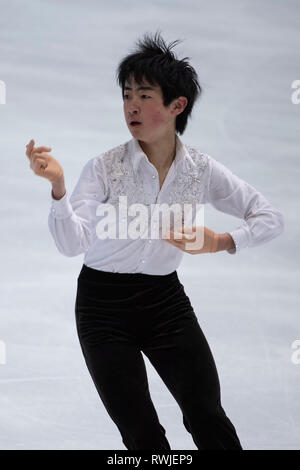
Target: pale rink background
(58, 61)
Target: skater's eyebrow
(140, 88)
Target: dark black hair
(154, 61)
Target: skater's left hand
(194, 240)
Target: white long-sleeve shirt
(193, 178)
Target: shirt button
(150, 241)
(153, 176)
(143, 261)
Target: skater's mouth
(135, 123)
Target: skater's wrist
(58, 188)
(225, 242)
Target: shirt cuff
(240, 239)
(61, 208)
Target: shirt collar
(136, 154)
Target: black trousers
(118, 315)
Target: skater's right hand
(42, 163)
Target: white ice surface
(58, 61)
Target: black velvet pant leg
(179, 352)
(116, 366)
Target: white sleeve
(230, 194)
(71, 220)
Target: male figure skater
(129, 297)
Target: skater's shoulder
(196, 157)
(204, 159)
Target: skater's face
(144, 103)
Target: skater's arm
(230, 194)
(71, 219)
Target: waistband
(127, 278)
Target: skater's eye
(142, 96)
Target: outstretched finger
(42, 149)
(34, 154)
(29, 148)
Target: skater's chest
(185, 183)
